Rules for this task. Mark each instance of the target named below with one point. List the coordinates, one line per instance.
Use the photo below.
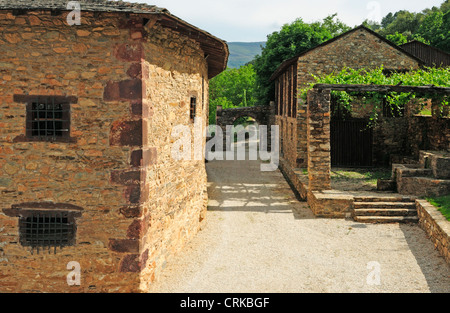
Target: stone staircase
(386, 209)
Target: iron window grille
(193, 108)
(48, 119)
(47, 230)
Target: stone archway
(263, 115)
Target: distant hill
(243, 52)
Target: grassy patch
(364, 176)
(442, 204)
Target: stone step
(386, 219)
(384, 199)
(384, 212)
(384, 205)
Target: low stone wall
(296, 179)
(435, 226)
(428, 133)
(330, 203)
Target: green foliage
(442, 204)
(397, 38)
(290, 41)
(231, 89)
(404, 22)
(439, 77)
(435, 29)
(431, 26)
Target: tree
(290, 41)
(397, 38)
(388, 19)
(445, 7)
(431, 26)
(232, 88)
(435, 28)
(403, 22)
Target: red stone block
(135, 70)
(134, 230)
(129, 52)
(130, 264)
(130, 89)
(126, 133)
(126, 177)
(124, 245)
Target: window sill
(24, 138)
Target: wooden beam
(385, 88)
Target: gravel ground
(258, 238)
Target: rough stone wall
(427, 133)
(138, 208)
(175, 199)
(319, 156)
(435, 226)
(42, 55)
(358, 49)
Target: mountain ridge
(243, 52)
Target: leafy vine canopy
(429, 76)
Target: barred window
(46, 225)
(193, 108)
(46, 230)
(48, 119)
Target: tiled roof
(86, 5)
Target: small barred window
(193, 108)
(47, 230)
(48, 119)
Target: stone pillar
(318, 140)
(302, 141)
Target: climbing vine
(439, 77)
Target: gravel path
(258, 238)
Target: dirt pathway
(259, 238)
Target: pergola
(318, 124)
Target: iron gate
(351, 143)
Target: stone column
(318, 140)
(302, 141)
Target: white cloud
(253, 20)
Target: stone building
(358, 48)
(86, 115)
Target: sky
(253, 20)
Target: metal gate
(351, 143)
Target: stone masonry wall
(427, 133)
(138, 206)
(358, 49)
(175, 199)
(435, 226)
(42, 55)
(319, 156)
